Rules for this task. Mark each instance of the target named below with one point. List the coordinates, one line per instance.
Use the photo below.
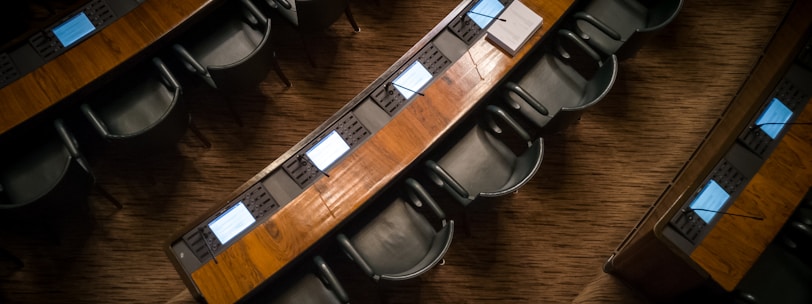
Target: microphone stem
(732, 214)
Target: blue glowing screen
(74, 29)
(712, 197)
(774, 118)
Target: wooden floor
(545, 244)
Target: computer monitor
(412, 79)
(485, 11)
(229, 224)
(328, 150)
(774, 117)
(710, 199)
(75, 28)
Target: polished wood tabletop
(367, 170)
(735, 243)
(99, 54)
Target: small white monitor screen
(412, 79)
(328, 150)
(74, 29)
(485, 11)
(231, 223)
(712, 197)
(774, 118)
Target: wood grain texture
(92, 58)
(597, 180)
(735, 243)
(369, 169)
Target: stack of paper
(517, 24)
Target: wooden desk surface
(735, 243)
(366, 171)
(93, 58)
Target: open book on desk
(517, 25)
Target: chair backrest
(142, 112)
(661, 13)
(311, 284)
(44, 181)
(246, 73)
(599, 85)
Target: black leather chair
(142, 111)
(622, 26)
(231, 50)
(400, 243)
(553, 92)
(313, 15)
(313, 285)
(782, 274)
(44, 177)
(480, 164)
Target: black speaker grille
(434, 60)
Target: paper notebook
(520, 22)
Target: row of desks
(366, 171)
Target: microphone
(305, 158)
(407, 89)
(780, 123)
(758, 218)
(208, 247)
(489, 16)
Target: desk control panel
(728, 178)
(208, 238)
(57, 38)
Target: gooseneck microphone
(208, 246)
(489, 16)
(407, 89)
(780, 123)
(758, 218)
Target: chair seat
(226, 43)
(488, 169)
(137, 109)
(555, 84)
(308, 290)
(396, 241)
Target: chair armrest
(190, 62)
(72, 145)
(353, 254)
(512, 123)
(259, 17)
(598, 24)
(167, 76)
(330, 279)
(571, 36)
(446, 178)
(524, 95)
(67, 138)
(425, 198)
(95, 121)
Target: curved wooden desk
(365, 171)
(94, 57)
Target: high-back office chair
(313, 285)
(43, 177)
(622, 26)
(552, 93)
(142, 111)
(480, 164)
(782, 274)
(313, 16)
(231, 50)
(400, 243)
